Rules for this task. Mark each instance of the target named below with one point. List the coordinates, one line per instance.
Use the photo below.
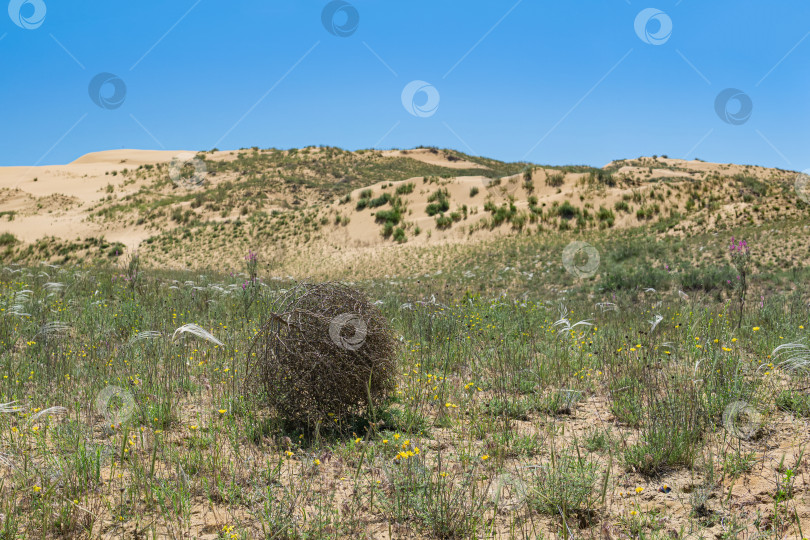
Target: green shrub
(602, 178)
(567, 485)
(8, 239)
(439, 202)
(618, 278)
(382, 200)
(752, 184)
(606, 215)
(707, 279)
(388, 216)
(567, 210)
(405, 189)
(621, 206)
(443, 222)
(555, 180)
(437, 208)
(669, 437)
(501, 213)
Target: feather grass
(197, 331)
(795, 356)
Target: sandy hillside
(54, 199)
(331, 200)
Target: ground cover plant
(605, 411)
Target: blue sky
(547, 82)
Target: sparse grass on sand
(649, 415)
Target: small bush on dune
(383, 199)
(567, 210)
(405, 189)
(7, 239)
(388, 216)
(439, 203)
(555, 180)
(443, 222)
(622, 206)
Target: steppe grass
(482, 437)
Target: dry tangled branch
(325, 352)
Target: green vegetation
(8, 239)
(405, 189)
(510, 406)
(531, 399)
(439, 202)
(555, 180)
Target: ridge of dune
(299, 197)
(129, 155)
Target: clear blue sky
(547, 82)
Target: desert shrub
(500, 214)
(7, 239)
(405, 189)
(670, 435)
(382, 200)
(447, 504)
(473, 191)
(438, 195)
(567, 485)
(437, 208)
(606, 215)
(567, 210)
(707, 279)
(399, 235)
(601, 177)
(752, 184)
(673, 418)
(392, 216)
(618, 278)
(626, 250)
(325, 353)
(443, 222)
(621, 206)
(519, 221)
(555, 180)
(439, 202)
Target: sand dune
(78, 200)
(30, 191)
(127, 157)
